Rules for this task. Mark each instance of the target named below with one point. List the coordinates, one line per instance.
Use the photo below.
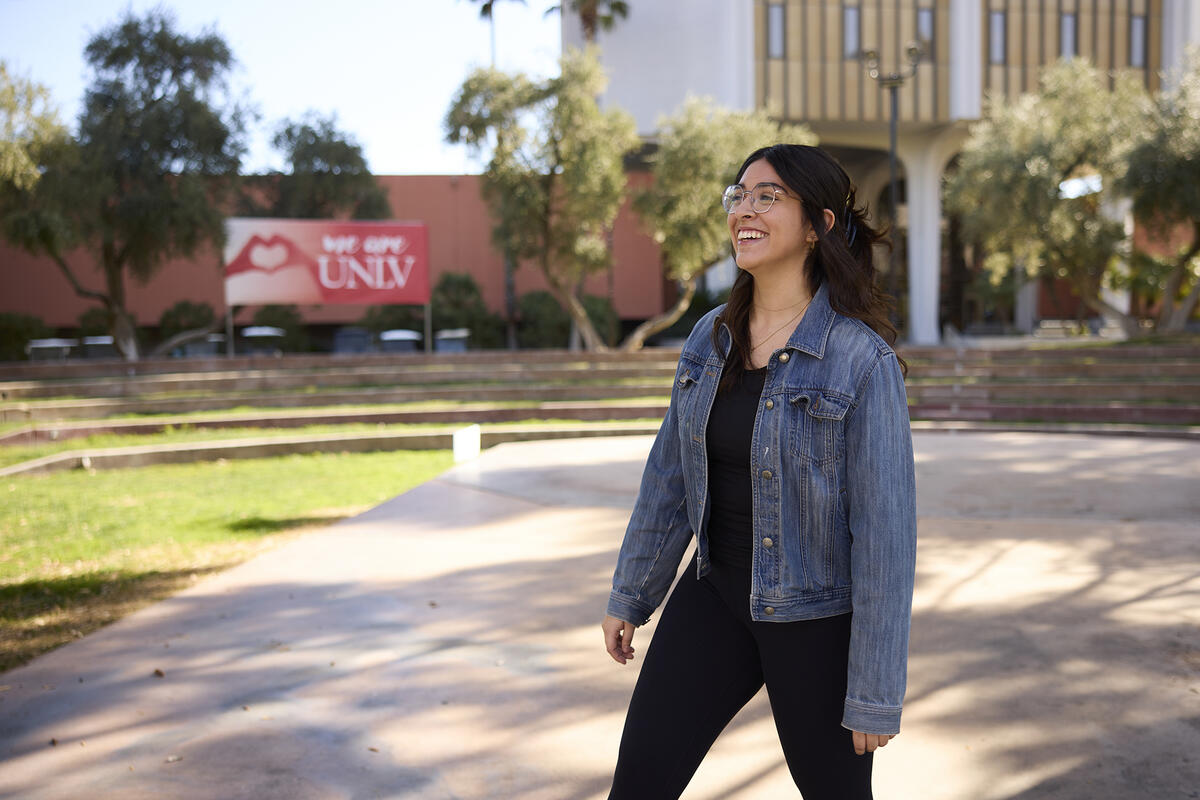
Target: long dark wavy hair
(842, 258)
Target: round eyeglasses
(762, 197)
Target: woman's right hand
(618, 639)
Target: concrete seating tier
(1139, 384)
(100, 368)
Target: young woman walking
(786, 453)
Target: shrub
(385, 318)
(458, 303)
(545, 323)
(542, 321)
(295, 336)
(604, 317)
(15, 332)
(185, 316)
(96, 321)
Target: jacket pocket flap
(822, 405)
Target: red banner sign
(315, 262)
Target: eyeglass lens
(762, 197)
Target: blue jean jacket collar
(810, 336)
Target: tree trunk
(124, 334)
(510, 300)
(1171, 317)
(637, 339)
(1166, 311)
(569, 300)
(1185, 310)
(1128, 323)
(183, 337)
(124, 328)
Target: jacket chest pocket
(815, 424)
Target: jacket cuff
(866, 718)
(627, 609)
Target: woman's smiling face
(776, 237)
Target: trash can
(99, 347)
(451, 340)
(50, 349)
(351, 339)
(399, 340)
(262, 340)
(208, 346)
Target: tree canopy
(596, 15)
(28, 125)
(1163, 181)
(327, 175)
(1036, 183)
(556, 176)
(144, 182)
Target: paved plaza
(446, 644)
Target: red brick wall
(459, 241)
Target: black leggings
(706, 660)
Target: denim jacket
(834, 499)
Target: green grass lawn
(80, 549)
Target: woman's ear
(830, 219)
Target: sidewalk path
(446, 645)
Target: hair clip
(851, 228)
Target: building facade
(801, 61)
(460, 231)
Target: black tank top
(730, 429)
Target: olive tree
(556, 179)
(1163, 180)
(1012, 187)
(147, 176)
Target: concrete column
(1025, 307)
(922, 179)
(1120, 210)
(924, 161)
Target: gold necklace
(767, 338)
(784, 308)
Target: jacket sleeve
(658, 531)
(882, 517)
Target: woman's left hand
(867, 742)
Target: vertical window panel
(925, 29)
(1068, 36)
(996, 38)
(851, 32)
(776, 42)
(1137, 41)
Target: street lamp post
(892, 81)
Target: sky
(387, 68)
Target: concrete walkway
(446, 645)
